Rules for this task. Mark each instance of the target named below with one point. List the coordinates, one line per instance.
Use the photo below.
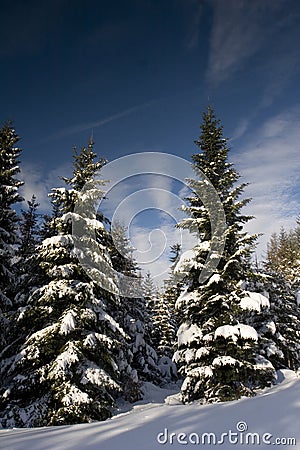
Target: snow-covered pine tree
(148, 286)
(173, 286)
(216, 352)
(138, 324)
(121, 250)
(9, 195)
(164, 321)
(130, 310)
(164, 330)
(281, 333)
(258, 313)
(25, 262)
(150, 294)
(67, 370)
(282, 265)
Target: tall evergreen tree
(67, 369)
(216, 352)
(9, 195)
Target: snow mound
(188, 333)
(235, 331)
(272, 415)
(186, 262)
(254, 301)
(298, 298)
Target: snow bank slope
(276, 411)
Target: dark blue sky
(139, 74)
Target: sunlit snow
(270, 417)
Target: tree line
(71, 345)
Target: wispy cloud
(37, 183)
(193, 35)
(153, 248)
(73, 129)
(241, 128)
(239, 30)
(280, 71)
(146, 196)
(270, 163)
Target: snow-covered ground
(271, 418)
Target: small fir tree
(164, 330)
(132, 316)
(164, 319)
(29, 229)
(138, 323)
(49, 223)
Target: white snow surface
(187, 297)
(73, 217)
(68, 322)
(186, 262)
(254, 301)
(236, 331)
(57, 240)
(214, 279)
(274, 411)
(188, 333)
(225, 361)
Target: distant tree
(26, 263)
(164, 328)
(49, 223)
(148, 286)
(9, 195)
(217, 352)
(138, 324)
(175, 251)
(164, 319)
(121, 250)
(29, 228)
(133, 316)
(283, 253)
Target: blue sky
(139, 73)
